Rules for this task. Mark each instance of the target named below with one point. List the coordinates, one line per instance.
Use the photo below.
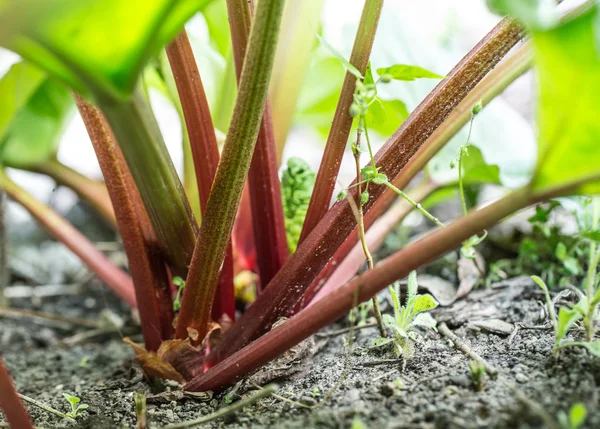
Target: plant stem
(361, 230)
(152, 286)
(591, 274)
(155, 177)
(331, 232)
(264, 392)
(341, 300)
(294, 48)
(4, 269)
(64, 232)
(342, 121)
(204, 148)
(89, 190)
(263, 179)
(231, 175)
(227, 92)
(416, 205)
(10, 404)
(463, 347)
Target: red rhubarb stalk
(362, 288)
(263, 179)
(342, 121)
(64, 232)
(490, 87)
(226, 192)
(10, 404)
(141, 246)
(205, 151)
(290, 284)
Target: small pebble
(521, 378)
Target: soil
(434, 389)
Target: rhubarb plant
(240, 208)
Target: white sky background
(455, 25)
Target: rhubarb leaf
(97, 47)
(568, 66)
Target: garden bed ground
(436, 390)
(432, 390)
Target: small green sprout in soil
(477, 371)
(76, 407)
(575, 419)
(407, 318)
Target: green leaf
(96, 46)
(424, 319)
(568, 66)
(17, 86)
(592, 235)
(561, 251)
(423, 303)
(566, 318)
(297, 182)
(33, 135)
(376, 114)
(411, 290)
(407, 73)
(533, 13)
(369, 75)
(349, 67)
(476, 170)
(577, 415)
(593, 347)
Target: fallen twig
(345, 330)
(263, 393)
(19, 314)
(463, 347)
(46, 407)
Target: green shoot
(576, 417)
(407, 317)
(477, 371)
(76, 407)
(180, 284)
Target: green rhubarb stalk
(155, 177)
(233, 169)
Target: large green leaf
(96, 46)
(568, 69)
(33, 135)
(16, 87)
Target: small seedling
(316, 392)
(477, 370)
(84, 362)
(139, 399)
(76, 408)
(180, 284)
(406, 318)
(575, 419)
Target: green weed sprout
(566, 318)
(575, 419)
(477, 370)
(406, 318)
(76, 407)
